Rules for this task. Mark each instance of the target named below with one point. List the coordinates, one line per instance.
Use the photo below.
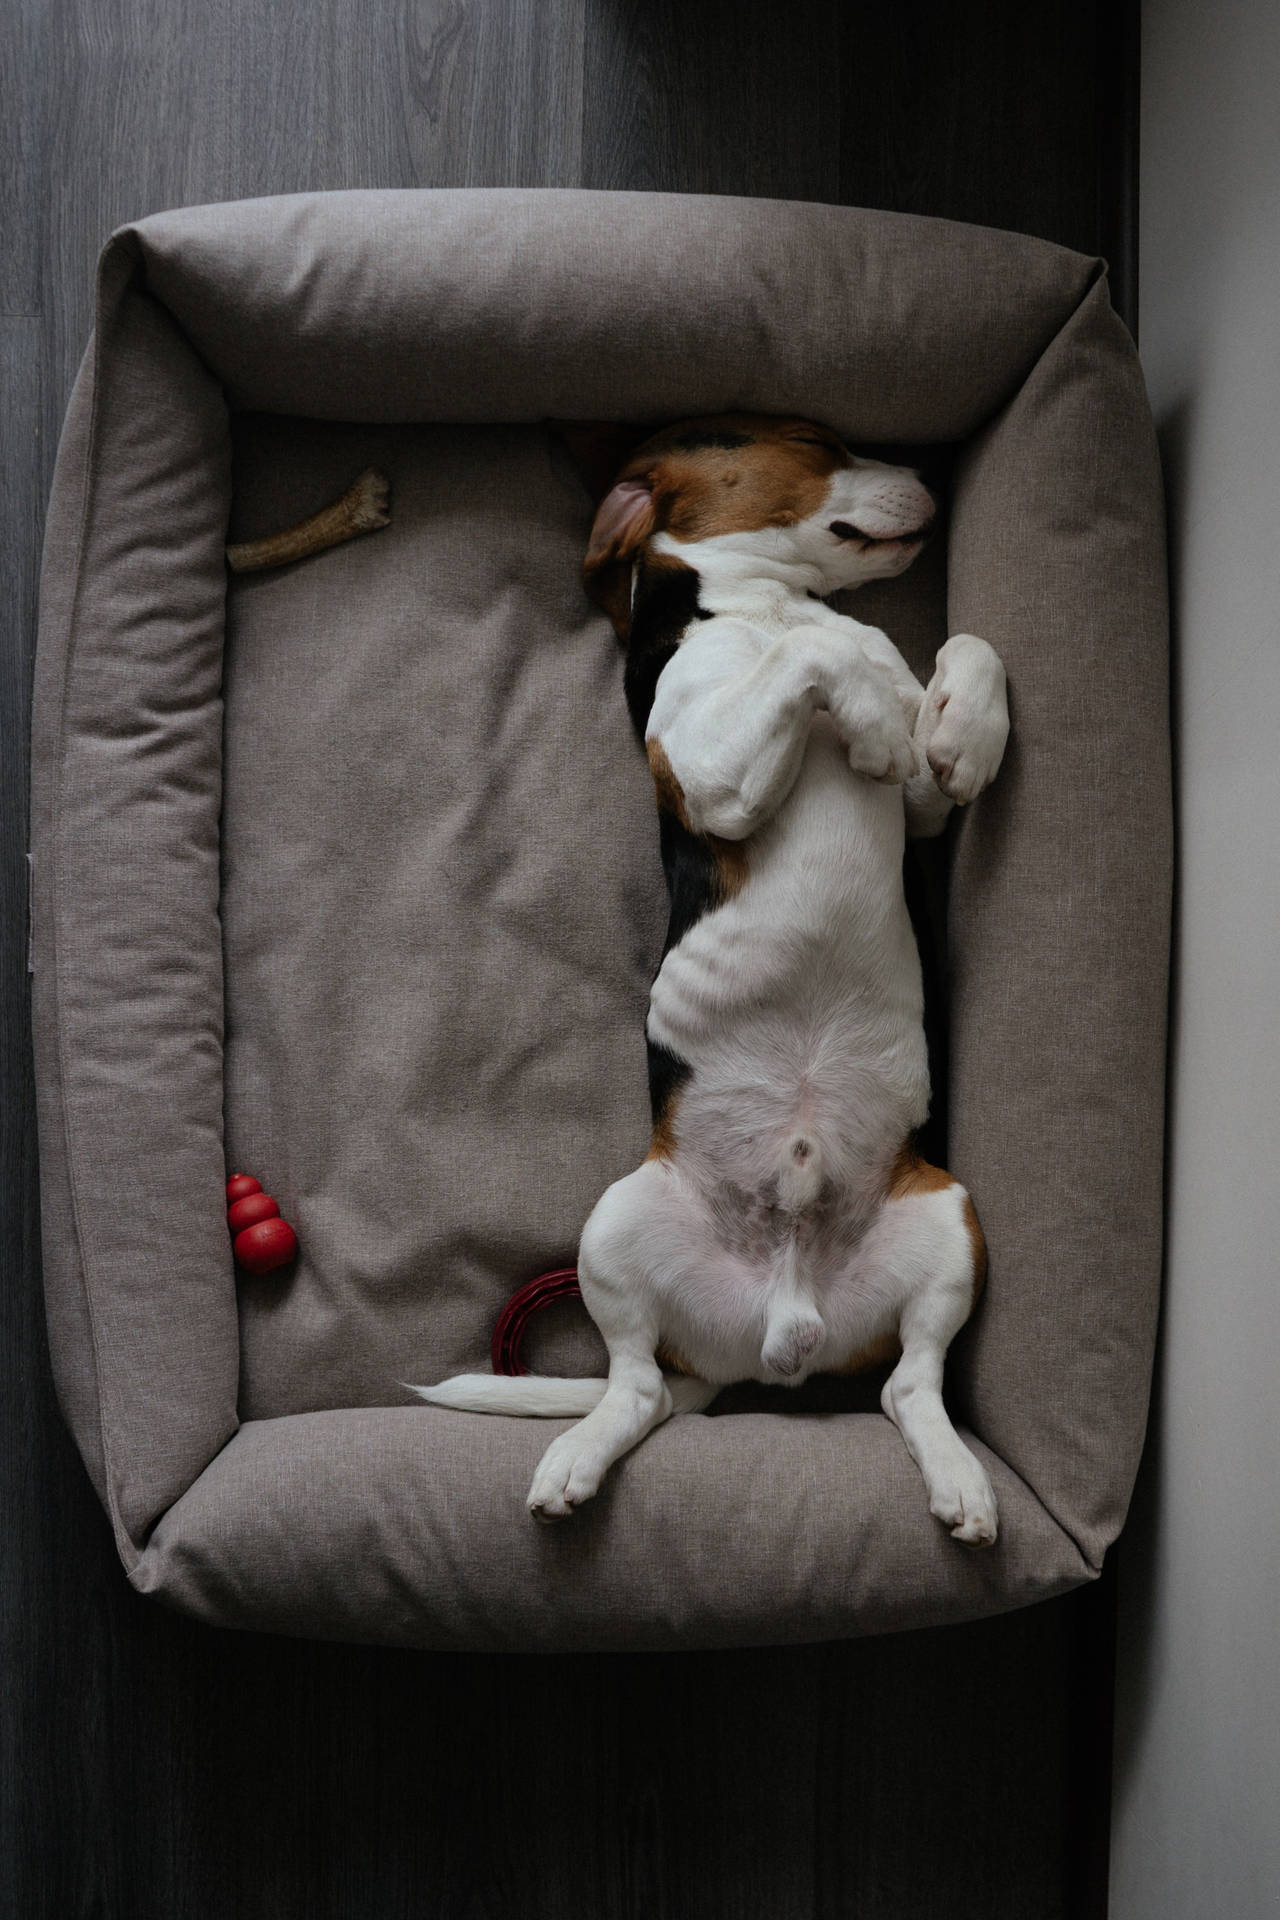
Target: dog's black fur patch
(695, 879)
(665, 604)
(925, 877)
(667, 1074)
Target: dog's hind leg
(634, 1231)
(925, 1253)
(635, 1401)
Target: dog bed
(346, 875)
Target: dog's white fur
(770, 1240)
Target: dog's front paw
(874, 724)
(964, 754)
(888, 756)
(567, 1474)
(964, 719)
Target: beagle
(781, 1223)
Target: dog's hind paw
(567, 1475)
(966, 1507)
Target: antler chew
(362, 509)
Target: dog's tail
(541, 1395)
(527, 1393)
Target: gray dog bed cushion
(347, 875)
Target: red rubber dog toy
(262, 1241)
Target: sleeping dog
(782, 1223)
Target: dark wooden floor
(150, 1768)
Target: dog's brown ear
(624, 520)
(600, 449)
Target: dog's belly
(796, 1007)
(798, 1001)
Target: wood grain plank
(21, 1331)
(22, 51)
(440, 93)
(713, 98)
(917, 1775)
(59, 1576)
(967, 1817)
(1119, 67)
(993, 118)
(136, 119)
(493, 93)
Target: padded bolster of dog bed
(480, 307)
(529, 304)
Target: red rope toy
(504, 1348)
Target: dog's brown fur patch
(978, 1241)
(876, 1353)
(776, 478)
(730, 856)
(910, 1174)
(669, 791)
(662, 1141)
(732, 865)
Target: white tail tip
(527, 1393)
(541, 1396)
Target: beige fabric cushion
(388, 919)
(518, 305)
(442, 904)
(743, 1530)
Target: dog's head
(784, 490)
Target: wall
(1198, 1728)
